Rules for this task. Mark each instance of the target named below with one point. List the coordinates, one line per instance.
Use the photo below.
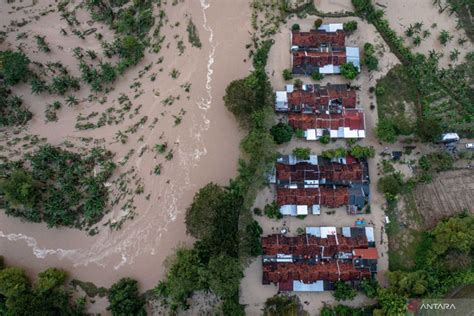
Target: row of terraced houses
(314, 261)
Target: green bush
(325, 139)
(124, 298)
(350, 26)
(316, 75)
(14, 67)
(281, 132)
(349, 71)
(343, 291)
(386, 131)
(302, 153)
(272, 210)
(391, 185)
(295, 27)
(287, 74)
(318, 23)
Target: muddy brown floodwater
(207, 150)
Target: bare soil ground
(450, 193)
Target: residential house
(314, 261)
(322, 50)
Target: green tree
(386, 131)
(281, 305)
(370, 287)
(343, 291)
(349, 71)
(444, 37)
(203, 210)
(125, 299)
(20, 189)
(316, 75)
(391, 303)
(13, 282)
(287, 74)
(182, 279)
(281, 132)
(391, 184)
(454, 234)
(302, 152)
(350, 26)
(325, 139)
(224, 275)
(245, 96)
(50, 279)
(318, 23)
(360, 152)
(295, 27)
(14, 67)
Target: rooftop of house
(350, 118)
(319, 99)
(319, 58)
(326, 196)
(327, 34)
(312, 246)
(369, 253)
(310, 273)
(324, 172)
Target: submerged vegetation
(57, 186)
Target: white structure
(450, 137)
(323, 231)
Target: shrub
(295, 27)
(124, 298)
(350, 26)
(360, 152)
(316, 75)
(287, 74)
(343, 291)
(349, 71)
(14, 67)
(272, 211)
(324, 139)
(302, 153)
(318, 23)
(386, 131)
(391, 185)
(281, 133)
(299, 133)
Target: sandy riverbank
(205, 143)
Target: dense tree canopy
(203, 210)
(281, 132)
(125, 300)
(14, 67)
(59, 187)
(349, 71)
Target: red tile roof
(315, 38)
(319, 59)
(334, 172)
(331, 197)
(369, 253)
(307, 245)
(321, 96)
(310, 273)
(354, 119)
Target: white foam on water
(40, 253)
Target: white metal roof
(299, 286)
(302, 210)
(310, 134)
(353, 56)
(331, 27)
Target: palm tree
(454, 55)
(71, 100)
